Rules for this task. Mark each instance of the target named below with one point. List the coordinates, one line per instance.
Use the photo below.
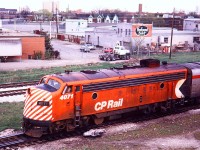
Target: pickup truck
(119, 53)
(87, 47)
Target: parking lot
(69, 52)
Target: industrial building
(192, 24)
(107, 36)
(18, 45)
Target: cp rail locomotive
(69, 100)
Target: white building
(99, 19)
(109, 35)
(76, 27)
(111, 19)
(90, 19)
(192, 24)
(107, 20)
(163, 36)
(115, 19)
(102, 36)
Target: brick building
(31, 44)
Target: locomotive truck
(69, 100)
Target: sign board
(141, 30)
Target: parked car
(87, 47)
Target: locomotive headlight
(43, 103)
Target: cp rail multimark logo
(142, 30)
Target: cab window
(67, 89)
(53, 83)
(43, 80)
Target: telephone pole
(57, 20)
(172, 30)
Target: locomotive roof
(115, 72)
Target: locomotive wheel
(98, 121)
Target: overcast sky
(129, 5)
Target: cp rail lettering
(108, 104)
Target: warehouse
(18, 45)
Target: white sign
(108, 104)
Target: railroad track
(12, 92)
(21, 140)
(14, 139)
(18, 84)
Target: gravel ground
(110, 139)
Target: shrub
(37, 55)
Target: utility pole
(172, 30)
(57, 20)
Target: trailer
(10, 47)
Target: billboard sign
(144, 30)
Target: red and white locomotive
(68, 100)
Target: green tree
(46, 14)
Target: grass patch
(36, 74)
(11, 115)
(179, 57)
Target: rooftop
(10, 33)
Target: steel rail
(18, 84)
(12, 92)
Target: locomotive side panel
(121, 98)
(104, 100)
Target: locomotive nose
(38, 105)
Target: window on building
(126, 32)
(165, 39)
(121, 32)
(118, 30)
(129, 32)
(196, 39)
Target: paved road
(71, 51)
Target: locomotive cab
(46, 104)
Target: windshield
(53, 83)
